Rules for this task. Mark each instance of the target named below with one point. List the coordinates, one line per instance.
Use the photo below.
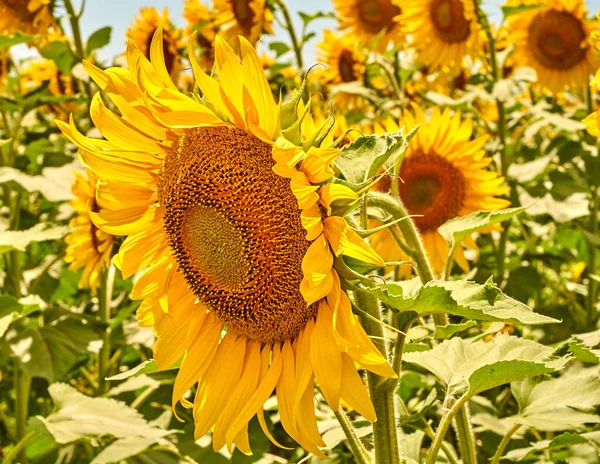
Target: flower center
(169, 50)
(432, 188)
(448, 17)
(243, 12)
(19, 8)
(376, 15)
(556, 39)
(235, 230)
(346, 66)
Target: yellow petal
(344, 241)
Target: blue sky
(120, 13)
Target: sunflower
(142, 31)
(592, 121)
(443, 176)
(88, 247)
(36, 73)
(370, 19)
(554, 40)
(199, 18)
(444, 32)
(248, 18)
(28, 16)
(232, 222)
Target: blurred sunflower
(87, 246)
(592, 121)
(234, 226)
(554, 40)
(443, 32)
(367, 19)
(248, 18)
(443, 176)
(36, 73)
(5, 64)
(200, 20)
(344, 61)
(143, 29)
(28, 16)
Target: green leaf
(511, 10)
(468, 368)
(54, 183)
(7, 41)
(565, 440)
(12, 309)
(123, 448)
(77, 416)
(584, 347)
(362, 159)
(308, 18)
(61, 54)
(21, 239)
(279, 48)
(98, 39)
(563, 403)
(458, 229)
(444, 332)
(461, 298)
(50, 352)
(147, 367)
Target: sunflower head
(37, 73)
(28, 16)
(142, 30)
(248, 18)
(555, 40)
(443, 175)
(226, 205)
(444, 32)
(87, 246)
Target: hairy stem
(464, 432)
(502, 446)
(592, 264)
(361, 455)
(22, 389)
(104, 301)
(442, 429)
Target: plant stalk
(104, 309)
(502, 446)
(442, 429)
(361, 455)
(464, 432)
(592, 264)
(18, 448)
(22, 389)
(292, 31)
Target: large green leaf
(98, 39)
(361, 160)
(467, 367)
(147, 367)
(7, 41)
(53, 183)
(12, 309)
(61, 54)
(561, 442)
(21, 239)
(564, 403)
(461, 298)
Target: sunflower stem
(505, 441)
(104, 309)
(385, 436)
(464, 432)
(360, 453)
(441, 431)
(592, 264)
(76, 30)
(18, 448)
(292, 31)
(22, 389)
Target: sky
(120, 13)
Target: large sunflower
(88, 247)
(443, 32)
(368, 19)
(555, 40)
(199, 18)
(142, 31)
(29, 16)
(233, 225)
(248, 18)
(443, 176)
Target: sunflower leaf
(362, 159)
(147, 367)
(560, 442)
(61, 54)
(460, 298)
(7, 41)
(468, 368)
(512, 10)
(98, 39)
(455, 230)
(21, 239)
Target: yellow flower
(443, 32)
(248, 18)
(443, 176)
(554, 40)
(37, 72)
(368, 19)
(88, 247)
(592, 121)
(199, 18)
(143, 29)
(28, 16)
(232, 223)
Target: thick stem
(385, 436)
(22, 388)
(18, 448)
(292, 31)
(442, 429)
(464, 432)
(502, 446)
(104, 301)
(358, 450)
(74, 20)
(592, 264)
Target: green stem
(442, 429)
(104, 301)
(502, 446)
(22, 389)
(292, 32)
(361, 455)
(449, 454)
(385, 436)
(16, 450)
(464, 432)
(74, 20)
(592, 264)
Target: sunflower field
(367, 232)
